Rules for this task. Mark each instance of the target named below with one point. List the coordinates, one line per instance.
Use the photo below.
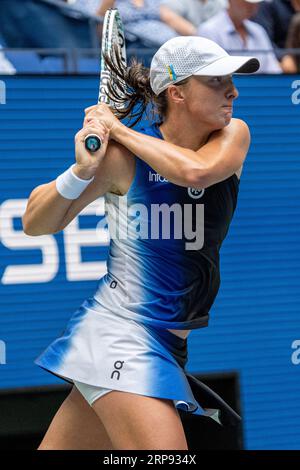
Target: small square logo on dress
(113, 284)
(171, 72)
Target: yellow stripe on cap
(172, 73)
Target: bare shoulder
(236, 133)
(242, 131)
(117, 153)
(118, 166)
(239, 128)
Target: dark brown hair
(130, 90)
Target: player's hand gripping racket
(113, 40)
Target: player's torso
(166, 241)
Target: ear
(176, 94)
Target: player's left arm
(219, 158)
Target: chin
(227, 120)
(221, 123)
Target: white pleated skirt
(103, 349)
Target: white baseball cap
(184, 56)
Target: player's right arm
(48, 212)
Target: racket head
(113, 41)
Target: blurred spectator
(195, 11)
(6, 67)
(291, 62)
(143, 21)
(275, 17)
(90, 7)
(233, 31)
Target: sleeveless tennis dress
(162, 273)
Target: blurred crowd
(261, 28)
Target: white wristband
(69, 185)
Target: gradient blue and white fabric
(157, 274)
(102, 349)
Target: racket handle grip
(92, 143)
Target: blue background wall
(255, 319)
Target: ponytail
(130, 90)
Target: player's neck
(184, 133)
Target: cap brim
(228, 65)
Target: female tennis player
(125, 348)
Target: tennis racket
(113, 41)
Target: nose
(232, 92)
